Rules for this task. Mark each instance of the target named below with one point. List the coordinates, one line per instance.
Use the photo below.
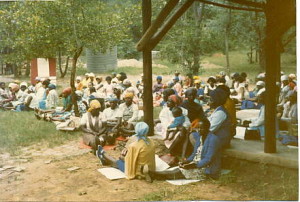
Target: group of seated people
(197, 120)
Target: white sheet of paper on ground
(160, 164)
(181, 182)
(240, 132)
(292, 147)
(112, 173)
(73, 168)
(225, 171)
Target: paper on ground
(112, 173)
(240, 132)
(181, 182)
(160, 164)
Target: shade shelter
(280, 16)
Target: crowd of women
(197, 119)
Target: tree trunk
(227, 29)
(62, 72)
(72, 80)
(27, 73)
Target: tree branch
(248, 3)
(230, 7)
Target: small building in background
(43, 68)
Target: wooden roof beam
(156, 24)
(248, 3)
(169, 24)
(230, 7)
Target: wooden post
(147, 69)
(169, 24)
(157, 23)
(272, 68)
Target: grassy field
(21, 129)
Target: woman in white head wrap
(140, 153)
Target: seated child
(173, 128)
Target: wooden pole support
(156, 24)
(147, 70)
(168, 25)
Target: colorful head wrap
(176, 99)
(129, 95)
(141, 130)
(67, 91)
(14, 87)
(94, 104)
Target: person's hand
(124, 152)
(190, 165)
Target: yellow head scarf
(95, 104)
(128, 95)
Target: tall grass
(21, 129)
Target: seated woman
(197, 117)
(112, 116)
(139, 156)
(177, 123)
(92, 126)
(178, 145)
(129, 114)
(218, 138)
(259, 122)
(290, 111)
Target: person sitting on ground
(78, 83)
(211, 85)
(92, 126)
(177, 86)
(129, 114)
(86, 79)
(52, 97)
(108, 88)
(166, 93)
(177, 146)
(178, 121)
(112, 116)
(3, 92)
(158, 87)
(290, 111)
(196, 116)
(12, 89)
(217, 140)
(30, 102)
(138, 155)
(259, 122)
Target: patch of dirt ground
(45, 178)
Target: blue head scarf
(159, 77)
(141, 130)
(52, 86)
